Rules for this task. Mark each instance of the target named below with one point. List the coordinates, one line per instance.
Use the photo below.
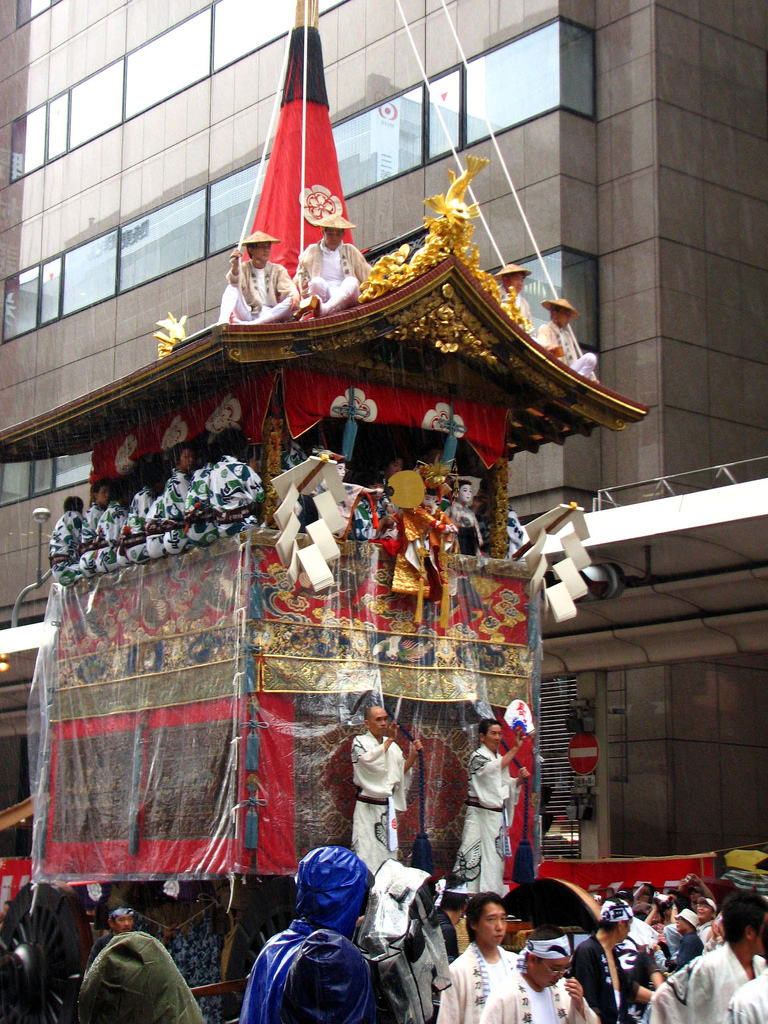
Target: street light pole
(40, 515)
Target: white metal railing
(681, 483)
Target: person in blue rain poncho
(332, 885)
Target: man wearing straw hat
(558, 339)
(331, 271)
(257, 291)
(512, 276)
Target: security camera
(41, 515)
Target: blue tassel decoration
(523, 871)
(350, 427)
(449, 448)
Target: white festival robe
(511, 1003)
(750, 1004)
(701, 995)
(465, 1000)
(484, 841)
(379, 775)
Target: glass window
(28, 143)
(15, 484)
(42, 476)
(379, 143)
(445, 96)
(514, 83)
(89, 273)
(574, 275)
(577, 74)
(51, 289)
(97, 104)
(28, 9)
(20, 310)
(169, 63)
(163, 241)
(73, 469)
(58, 115)
(236, 31)
(230, 198)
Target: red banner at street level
(14, 875)
(598, 875)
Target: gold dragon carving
(449, 234)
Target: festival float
(192, 717)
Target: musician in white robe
(258, 291)
(492, 796)
(331, 271)
(512, 277)
(558, 339)
(538, 990)
(382, 775)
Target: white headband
(549, 949)
(616, 910)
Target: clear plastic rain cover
(194, 716)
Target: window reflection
(51, 291)
(380, 142)
(28, 143)
(163, 241)
(97, 104)
(577, 76)
(42, 476)
(229, 204)
(89, 273)
(28, 9)
(169, 63)
(237, 32)
(514, 83)
(20, 309)
(15, 482)
(574, 275)
(58, 115)
(73, 469)
(445, 95)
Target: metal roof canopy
(703, 562)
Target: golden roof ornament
(176, 334)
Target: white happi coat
(510, 1004)
(700, 992)
(465, 1001)
(750, 1004)
(379, 775)
(132, 549)
(484, 841)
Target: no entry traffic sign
(583, 753)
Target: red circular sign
(583, 753)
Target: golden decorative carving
(270, 464)
(499, 502)
(176, 334)
(509, 305)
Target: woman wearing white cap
(538, 991)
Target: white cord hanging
(445, 128)
(275, 107)
(303, 131)
(491, 132)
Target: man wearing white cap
(257, 291)
(331, 271)
(558, 338)
(512, 277)
(691, 945)
(607, 988)
(706, 911)
(538, 991)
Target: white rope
(491, 132)
(275, 107)
(303, 131)
(445, 127)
